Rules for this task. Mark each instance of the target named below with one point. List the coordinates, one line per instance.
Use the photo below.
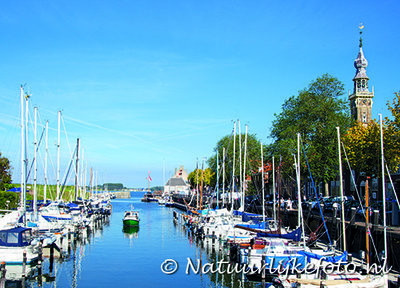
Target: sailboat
(338, 278)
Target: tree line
(315, 112)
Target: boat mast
(341, 191)
(262, 182)
(58, 156)
(273, 187)
(244, 170)
(298, 182)
(22, 192)
(240, 166)
(217, 181)
(384, 196)
(223, 177)
(367, 218)
(233, 166)
(197, 182)
(25, 144)
(201, 185)
(35, 167)
(45, 165)
(76, 169)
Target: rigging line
(33, 160)
(359, 199)
(66, 135)
(225, 156)
(315, 191)
(391, 182)
(66, 176)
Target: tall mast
(217, 181)
(298, 181)
(201, 185)
(341, 190)
(223, 176)
(244, 170)
(58, 156)
(76, 169)
(383, 195)
(197, 182)
(45, 165)
(273, 187)
(240, 165)
(25, 143)
(262, 182)
(84, 181)
(35, 167)
(22, 197)
(163, 176)
(233, 166)
(91, 182)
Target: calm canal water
(111, 257)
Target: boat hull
(130, 222)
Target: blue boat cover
(72, 206)
(259, 225)
(294, 235)
(246, 217)
(15, 237)
(332, 259)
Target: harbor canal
(110, 256)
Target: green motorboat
(131, 218)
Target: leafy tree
(314, 113)
(195, 177)
(8, 200)
(5, 173)
(253, 155)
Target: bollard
(376, 218)
(3, 275)
(24, 263)
(263, 267)
(213, 238)
(51, 258)
(353, 216)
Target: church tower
(361, 99)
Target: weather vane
(361, 27)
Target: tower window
(364, 117)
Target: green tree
(197, 175)
(314, 113)
(5, 173)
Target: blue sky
(143, 83)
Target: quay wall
(313, 222)
(122, 194)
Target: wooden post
(3, 275)
(367, 219)
(263, 267)
(353, 216)
(24, 264)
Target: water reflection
(109, 255)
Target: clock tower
(361, 99)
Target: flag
(149, 177)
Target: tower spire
(361, 99)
